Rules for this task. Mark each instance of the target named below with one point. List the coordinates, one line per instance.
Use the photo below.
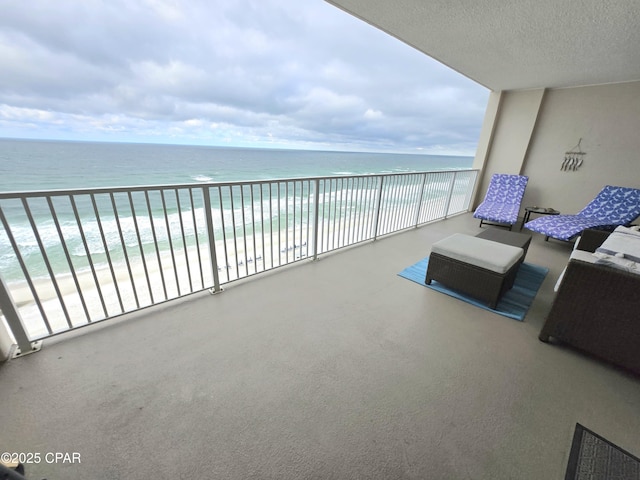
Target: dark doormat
(594, 458)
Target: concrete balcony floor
(330, 369)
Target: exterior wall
(533, 129)
(512, 133)
(607, 118)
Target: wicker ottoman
(481, 268)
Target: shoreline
(110, 298)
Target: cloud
(269, 72)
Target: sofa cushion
(617, 261)
(623, 243)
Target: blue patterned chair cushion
(502, 202)
(613, 206)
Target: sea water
(44, 165)
(28, 165)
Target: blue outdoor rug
(514, 304)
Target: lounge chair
(501, 203)
(612, 207)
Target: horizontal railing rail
(70, 258)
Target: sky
(251, 73)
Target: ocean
(131, 248)
(44, 165)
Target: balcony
(335, 368)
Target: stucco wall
(607, 118)
(515, 122)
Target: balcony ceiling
(516, 45)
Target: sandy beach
(109, 291)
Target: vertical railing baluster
(399, 203)
(308, 215)
(124, 248)
(409, 205)
(451, 185)
(184, 240)
(171, 249)
(212, 240)
(316, 217)
(155, 244)
(370, 196)
(365, 207)
(329, 226)
(197, 237)
(208, 206)
(244, 235)
(405, 194)
(286, 220)
(356, 213)
(416, 195)
(362, 209)
(339, 209)
(293, 228)
(271, 243)
(106, 251)
(264, 257)
(253, 224)
(140, 246)
(347, 213)
(419, 209)
(235, 236)
(401, 197)
(279, 227)
(352, 214)
(302, 214)
(377, 208)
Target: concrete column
(489, 124)
(507, 134)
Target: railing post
(14, 321)
(212, 241)
(424, 182)
(379, 203)
(315, 218)
(453, 182)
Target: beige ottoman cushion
(482, 253)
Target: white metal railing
(72, 258)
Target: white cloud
(371, 114)
(274, 71)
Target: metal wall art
(573, 159)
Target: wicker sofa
(597, 308)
